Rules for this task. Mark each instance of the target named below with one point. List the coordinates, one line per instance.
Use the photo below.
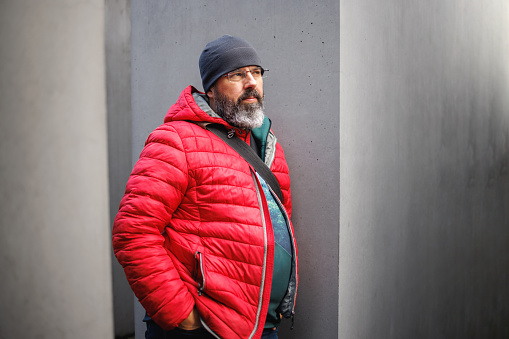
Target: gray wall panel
(298, 42)
(54, 227)
(118, 90)
(424, 169)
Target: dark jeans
(269, 334)
(155, 332)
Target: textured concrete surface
(424, 169)
(298, 43)
(118, 88)
(54, 234)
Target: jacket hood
(192, 106)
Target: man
(206, 245)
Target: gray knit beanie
(224, 55)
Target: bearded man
(203, 234)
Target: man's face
(239, 103)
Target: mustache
(250, 93)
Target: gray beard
(237, 114)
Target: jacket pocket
(200, 272)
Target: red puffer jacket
(194, 228)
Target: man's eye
(256, 72)
(237, 74)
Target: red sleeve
(154, 191)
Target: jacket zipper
(201, 285)
(264, 270)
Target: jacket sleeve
(154, 191)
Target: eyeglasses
(238, 75)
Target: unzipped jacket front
(193, 228)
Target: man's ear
(210, 94)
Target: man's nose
(249, 81)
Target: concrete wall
(54, 233)
(118, 88)
(298, 42)
(424, 169)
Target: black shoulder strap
(250, 156)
